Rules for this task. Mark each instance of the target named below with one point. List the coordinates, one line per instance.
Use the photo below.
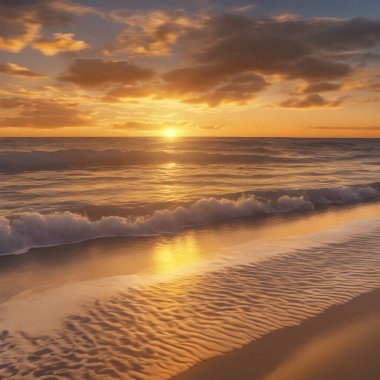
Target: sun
(170, 133)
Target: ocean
(136, 258)
(63, 190)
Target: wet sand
(340, 344)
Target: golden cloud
(20, 71)
(59, 42)
(44, 114)
(154, 33)
(22, 21)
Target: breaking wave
(32, 229)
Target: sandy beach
(167, 305)
(339, 344)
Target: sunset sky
(190, 68)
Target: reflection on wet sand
(172, 257)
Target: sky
(273, 68)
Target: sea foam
(32, 229)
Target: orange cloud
(136, 126)
(44, 114)
(20, 71)
(59, 42)
(311, 101)
(24, 33)
(22, 21)
(154, 33)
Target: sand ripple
(156, 331)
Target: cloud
(229, 58)
(311, 101)
(16, 70)
(211, 127)
(291, 48)
(133, 91)
(313, 88)
(96, 72)
(73, 8)
(153, 33)
(206, 84)
(21, 21)
(59, 42)
(232, 46)
(375, 87)
(136, 126)
(244, 8)
(44, 114)
(314, 68)
(349, 128)
(345, 35)
(9, 103)
(15, 36)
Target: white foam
(32, 230)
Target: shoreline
(342, 343)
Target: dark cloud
(313, 88)
(311, 101)
(292, 48)
(13, 69)
(96, 72)
(206, 84)
(44, 114)
(233, 45)
(314, 68)
(346, 35)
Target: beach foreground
(187, 298)
(190, 297)
(340, 344)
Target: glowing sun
(170, 133)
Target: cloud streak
(311, 101)
(96, 72)
(18, 71)
(44, 114)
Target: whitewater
(32, 230)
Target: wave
(21, 161)
(32, 229)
